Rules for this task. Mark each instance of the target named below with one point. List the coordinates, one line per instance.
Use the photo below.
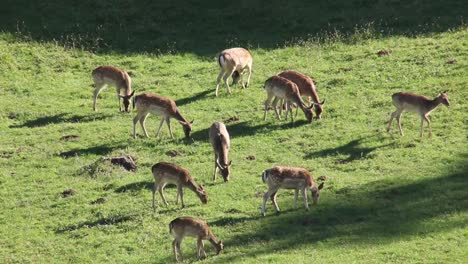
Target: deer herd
(287, 88)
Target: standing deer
(306, 88)
(289, 178)
(189, 226)
(233, 62)
(422, 105)
(219, 139)
(110, 75)
(147, 103)
(281, 88)
(167, 173)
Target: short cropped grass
(386, 198)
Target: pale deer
(306, 88)
(298, 179)
(147, 103)
(110, 75)
(281, 88)
(234, 62)
(167, 173)
(189, 226)
(220, 141)
(422, 105)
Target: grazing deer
(281, 88)
(189, 226)
(422, 105)
(167, 173)
(147, 103)
(289, 178)
(306, 88)
(233, 62)
(110, 75)
(219, 139)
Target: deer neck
(432, 104)
(179, 117)
(213, 240)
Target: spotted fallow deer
(189, 226)
(219, 139)
(110, 75)
(234, 62)
(298, 179)
(147, 103)
(306, 88)
(167, 173)
(422, 105)
(281, 88)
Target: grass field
(386, 198)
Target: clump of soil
(68, 193)
(127, 162)
(174, 153)
(250, 157)
(69, 137)
(322, 178)
(381, 53)
(99, 200)
(232, 119)
(451, 61)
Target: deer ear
(132, 93)
(444, 92)
(191, 122)
(323, 102)
(321, 186)
(230, 163)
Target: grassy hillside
(386, 198)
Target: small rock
(99, 200)
(322, 178)
(232, 119)
(451, 61)
(175, 153)
(124, 161)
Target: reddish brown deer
(281, 88)
(306, 88)
(298, 179)
(167, 173)
(147, 103)
(422, 105)
(220, 141)
(110, 75)
(189, 226)
(234, 62)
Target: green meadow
(386, 199)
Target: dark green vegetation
(387, 198)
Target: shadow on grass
(206, 27)
(97, 150)
(243, 129)
(193, 98)
(378, 211)
(61, 118)
(352, 149)
(135, 186)
(104, 221)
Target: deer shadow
(97, 150)
(103, 221)
(61, 118)
(193, 98)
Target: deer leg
(135, 121)
(142, 123)
(289, 109)
(98, 87)
(399, 122)
(117, 89)
(267, 103)
(265, 198)
(155, 186)
(168, 122)
(161, 190)
(216, 167)
(174, 249)
(226, 77)
(296, 194)
(160, 125)
(248, 77)
(273, 199)
(181, 193)
(275, 102)
(201, 249)
(218, 80)
(306, 204)
(428, 125)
